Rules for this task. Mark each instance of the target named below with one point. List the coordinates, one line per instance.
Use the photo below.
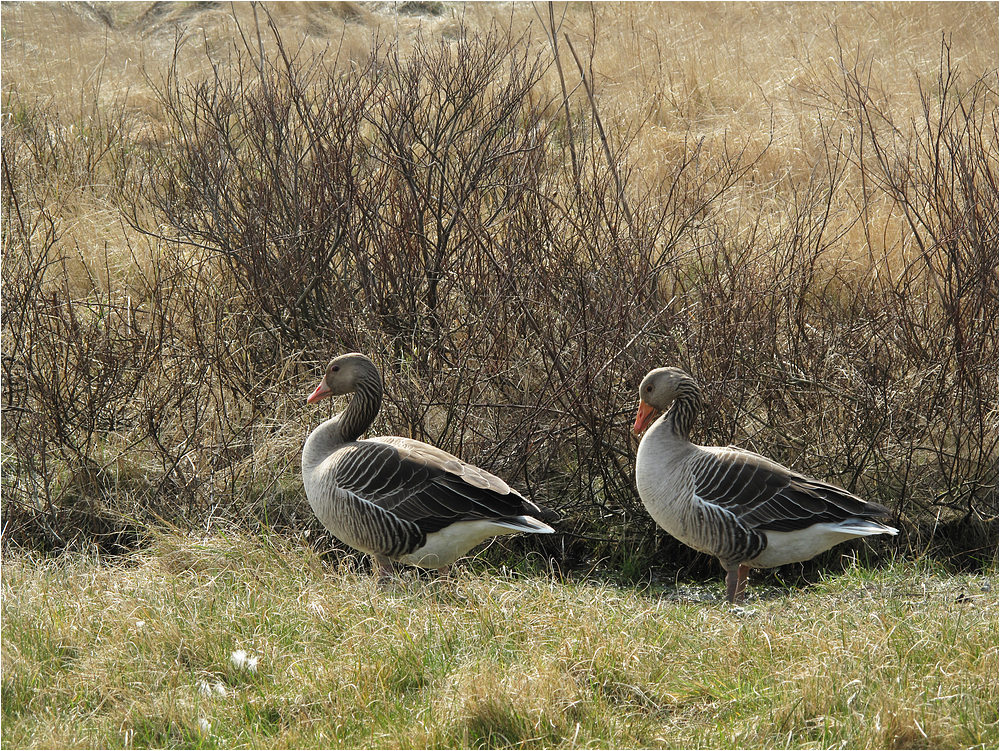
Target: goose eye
(335, 368)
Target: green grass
(139, 654)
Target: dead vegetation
(515, 250)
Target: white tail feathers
(866, 527)
(525, 524)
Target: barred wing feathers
(766, 496)
(426, 486)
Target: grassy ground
(142, 654)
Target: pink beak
(322, 391)
(643, 417)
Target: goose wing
(419, 483)
(764, 495)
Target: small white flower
(207, 689)
(140, 624)
(242, 661)
(204, 725)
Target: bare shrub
(514, 275)
(71, 366)
(490, 274)
(940, 174)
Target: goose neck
(322, 442)
(362, 409)
(686, 407)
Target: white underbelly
(445, 546)
(800, 545)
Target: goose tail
(525, 524)
(866, 527)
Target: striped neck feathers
(363, 407)
(687, 404)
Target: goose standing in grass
(734, 504)
(396, 498)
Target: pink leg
(736, 583)
(731, 585)
(385, 570)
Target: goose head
(657, 392)
(343, 375)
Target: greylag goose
(746, 510)
(395, 498)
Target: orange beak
(321, 392)
(643, 417)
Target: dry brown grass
(665, 73)
(760, 216)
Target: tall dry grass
(796, 203)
